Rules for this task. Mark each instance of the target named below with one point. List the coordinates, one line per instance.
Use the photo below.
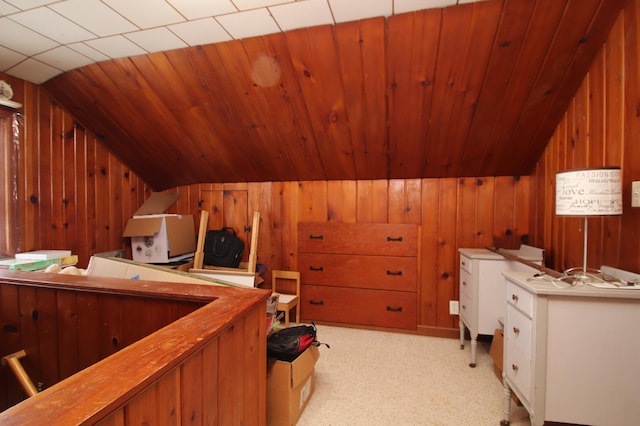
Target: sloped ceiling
(468, 90)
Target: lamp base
(581, 276)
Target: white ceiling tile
(353, 10)
(52, 25)
(255, 4)
(402, 6)
(88, 51)
(95, 16)
(116, 46)
(9, 58)
(23, 40)
(302, 14)
(33, 31)
(146, 13)
(34, 71)
(28, 4)
(202, 31)
(6, 8)
(63, 58)
(156, 39)
(196, 9)
(248, 24)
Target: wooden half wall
(203, 360)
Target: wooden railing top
(93, 393)
(143, 288)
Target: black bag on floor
(223, 248)
(288, 343)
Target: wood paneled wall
(69, 191)
(452, 212)
(73, 193)
(600, 128)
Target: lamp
(588, 192)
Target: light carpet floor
(383, 378)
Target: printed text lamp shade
(588, 192)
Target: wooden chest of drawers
(359, 273)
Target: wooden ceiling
(469, 90)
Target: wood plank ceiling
(468, 90)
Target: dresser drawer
(374, 272)
(466, 283)
(520, 298)
(518, 330)
(466, 264)
(517, 368)
(381, 239)
(359, 306)
(466, 308)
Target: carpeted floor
(378, 378)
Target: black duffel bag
(223, 248)
(288, 343)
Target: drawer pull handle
(316, 237)
(316, 268)
(516, 330)
(398, 309)
(9, 328)
(514, 297)
(464, 283)
(398, 239)
(464, 264)
(399, 273)
(464, 306)
(514, 367)
(316, 302)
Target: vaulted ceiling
(468, 90)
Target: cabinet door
(381, 239)
(375, 272)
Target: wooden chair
(287, 300)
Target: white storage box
(157, 237)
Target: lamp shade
(589, 192)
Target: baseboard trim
(451, 333)
(423, 330)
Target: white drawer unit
(482, 288)
(518, 351)
(570, 352)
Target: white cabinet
(570, 353)
(482, 303)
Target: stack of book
(38, 260)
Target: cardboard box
(496, 352)
(289, 387)
(126, 269)
(157, 237)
